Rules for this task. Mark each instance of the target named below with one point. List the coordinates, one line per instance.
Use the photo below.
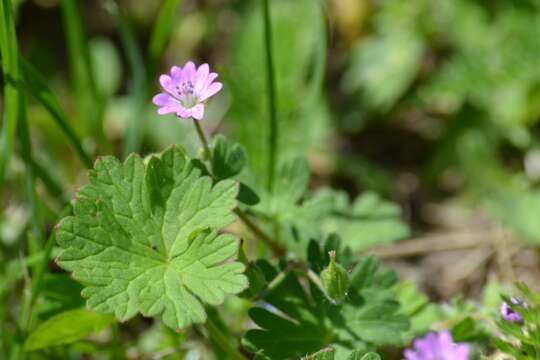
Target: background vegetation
(421, 115)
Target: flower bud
(335, 280)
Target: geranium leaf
(369, 221)
(228, 158)
(247, 196)
(303, 216)
(294, 321)
(143, 239)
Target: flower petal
(188, 73)
(200, 77)
(184, 113)
(162, 99)
(462, 351)
(167, 103)
(209, 80)
(167, 84)
(210, 91)
(410, 355)
(167, 110)
(198, 111)
(176, 73)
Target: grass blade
(36, 85)
(8, 52)
(161, 33)
(271, 83)
(26, 154)
(141, 75)
(89, 99)
(35, 237)
(139, 86)
(54, 189)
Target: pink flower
(437, 346)
(186, 90)
(510, 315)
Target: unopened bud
(335, 280)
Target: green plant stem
(271, 243)
(10, 71)
(271, 90)
(115, 350)
(257, 231)
(216, 335)
(202, 137)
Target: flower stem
(256, 230)
(202, 137)
(271, 243)
(271, 90)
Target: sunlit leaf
(143, 238)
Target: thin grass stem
(271, 91)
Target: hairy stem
(202, 137)
(256, 230)
(271, 90)
(271, 243)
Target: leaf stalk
(254, 228)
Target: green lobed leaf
(256, 279)
(302, 331)
(228, 158)
(143, 239)
(66, 328)
(294, 321)
(369, 221)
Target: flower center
(186, 94)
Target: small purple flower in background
(437, 346)
(510, 315)
(186, 90)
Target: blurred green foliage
(383, 107)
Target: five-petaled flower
(437, 346)
(186, 90)
(510, 315)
